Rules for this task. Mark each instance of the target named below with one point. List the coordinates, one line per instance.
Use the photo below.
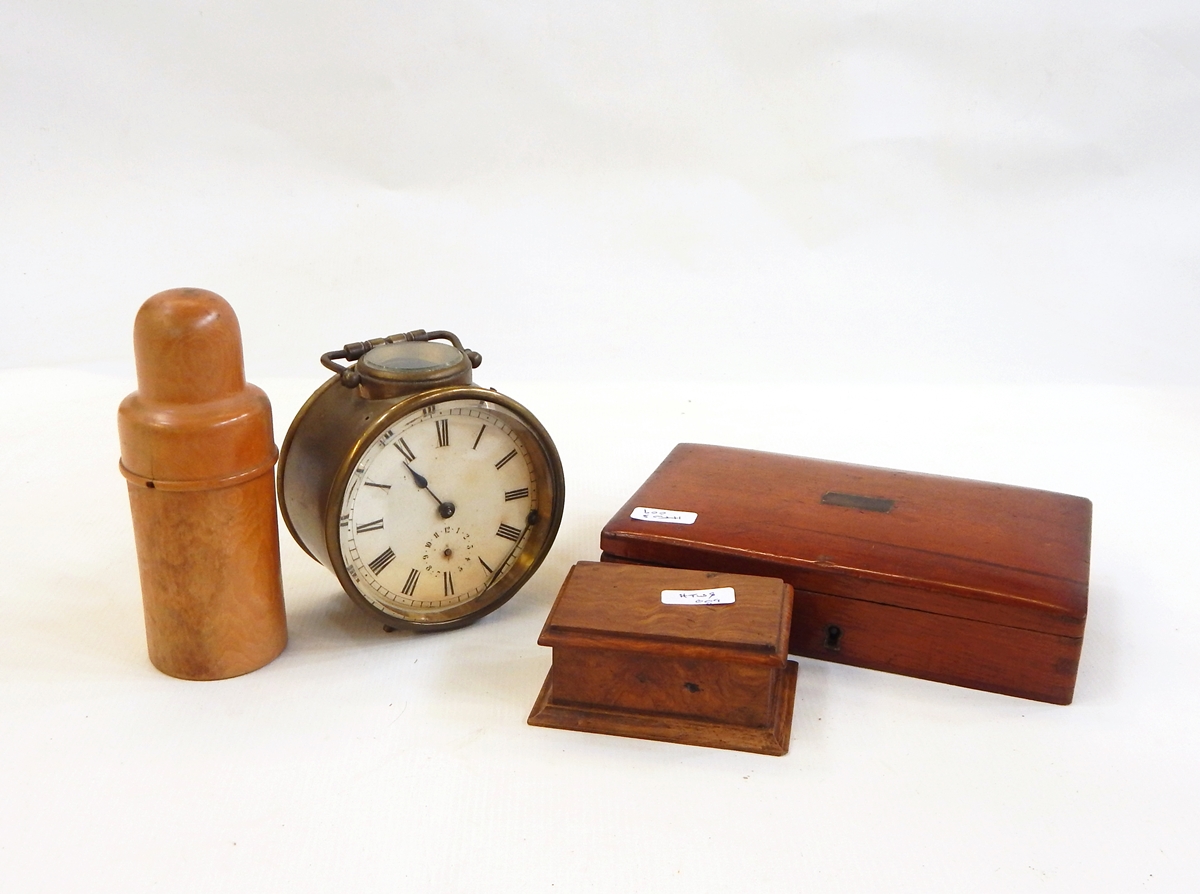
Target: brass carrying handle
(353, 351)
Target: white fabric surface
(365, 761)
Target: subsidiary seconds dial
(441, 507)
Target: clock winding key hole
(833, 637)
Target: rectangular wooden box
(964, 582)
(628, 665)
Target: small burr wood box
(963, 582)
(628, 663)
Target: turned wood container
(197, 450)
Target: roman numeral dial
(508, 532)
(448, 509)
(405, 450)
(382, 561)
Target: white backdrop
(935, 236)
(915, 191)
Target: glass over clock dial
(442, 504)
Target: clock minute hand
(445, 507)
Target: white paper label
(670, 516)
(717, 596)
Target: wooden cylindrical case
(198, 450)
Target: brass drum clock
(432, 500)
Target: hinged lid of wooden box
(620, 607)
(694, 657)
(986, 552)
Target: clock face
(445, 509)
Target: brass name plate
(855, 501)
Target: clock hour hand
(445, 507)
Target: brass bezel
(547, 469)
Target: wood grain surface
(197, 450)
(912, 558)
(621, 607)
(625, 663)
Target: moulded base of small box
(613, 721)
